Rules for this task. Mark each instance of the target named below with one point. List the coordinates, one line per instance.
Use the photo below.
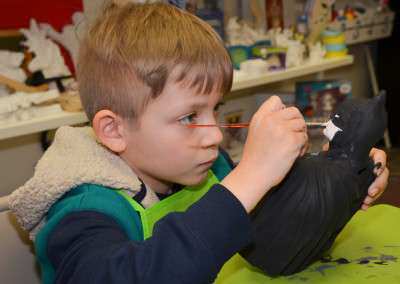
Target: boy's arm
(189, 247)
(276, 137)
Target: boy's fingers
(301, 139)
(378, 169)
(380, 183)
(364, 207)
(325, 147)
(291, 113)
(305, 148)
(369, 201)
(273, 104)
(378, 156)
(298, 124)
(376, 189)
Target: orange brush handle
(244, 125)
(230, 125)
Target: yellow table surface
(370, 243)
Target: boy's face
(163, 150)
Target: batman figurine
(298, 221)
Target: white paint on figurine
(330, 130)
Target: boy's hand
(277, 136)
(380, 183)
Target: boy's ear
(108, 128)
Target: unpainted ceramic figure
(70, 35)
(48, 57)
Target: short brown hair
(131, 50)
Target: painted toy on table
(298, 220)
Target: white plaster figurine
(10, 63)
(22, 106)
(240, 33)
(295, 48)
(48, 57)
(316, 53)
(70, 35)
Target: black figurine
(299, 219)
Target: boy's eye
(188, 119)
(218, 105)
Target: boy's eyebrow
(203, 104)
(198, 104)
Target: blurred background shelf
(276, 76)
(35, 125)
(240, 83)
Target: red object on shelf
(16, 14)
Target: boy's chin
(195, 179)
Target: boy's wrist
(246, 185)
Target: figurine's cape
(299, 220)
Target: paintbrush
(245, 125)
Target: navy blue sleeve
(190, 247)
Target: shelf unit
(35, 125)
(68, 118)
(277, 76)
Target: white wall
(18, 157)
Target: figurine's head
(357, 125)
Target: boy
(103, 204)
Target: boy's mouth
(208, 163)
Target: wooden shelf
(67, 118)
(277, 76)
(10, 33)
(41, 124)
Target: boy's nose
(212, 136)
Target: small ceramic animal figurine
(299, 219)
